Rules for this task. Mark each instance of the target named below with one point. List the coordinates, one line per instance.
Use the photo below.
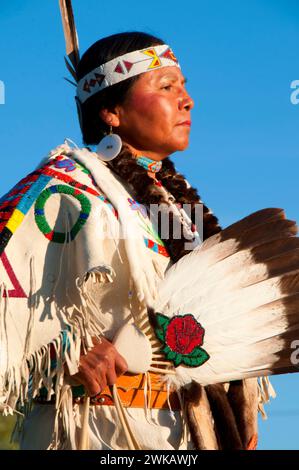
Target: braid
(175, 183)
(146, 193)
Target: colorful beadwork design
(126, 66)
(16, 203)
(149, 164)
(158, 245)
(67, 164)
(98, 79)
(135, 206)
(39, 213)
(182, 337)
(158, 248)
(168, 54)
(17, 291)
(156, 62)
(111, 207)
(69, 180)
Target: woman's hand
(100, 367)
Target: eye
(167, 87)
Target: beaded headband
(123, 67)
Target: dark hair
(93, 129)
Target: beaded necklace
(149, 164)
(154, 166)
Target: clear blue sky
(240, 58)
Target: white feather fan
(242, 286)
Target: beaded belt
(131, 393)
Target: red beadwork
(128, 65)
(17, 290)
(183, 334)
(68, 179)
(49, 235)
(150, 243)
(163, 251)
(168, 54)
(99, 78)
(119, 68)
(86, 86)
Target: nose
(186, 102)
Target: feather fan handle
(71, 37)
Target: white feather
(241, 285)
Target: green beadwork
(40, 219)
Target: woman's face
(155, 117)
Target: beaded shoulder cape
(61, 238)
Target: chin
(177, 146)
(182, 146)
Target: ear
(110, 117)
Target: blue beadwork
(149, 164)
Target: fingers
(93, 380)
(115, 362)
(108, 365)
(93, 387)
(121, 365)
(100, 367)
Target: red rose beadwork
(182, 337)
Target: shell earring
(109, 147)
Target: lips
(184, 123)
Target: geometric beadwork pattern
(69, 180)
(39, 213)
(156, 247)
(136, 206)
(17, 290)
(15, 204)
(123, 67)
(66, 164)
(156, 62)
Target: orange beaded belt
(131, 393)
